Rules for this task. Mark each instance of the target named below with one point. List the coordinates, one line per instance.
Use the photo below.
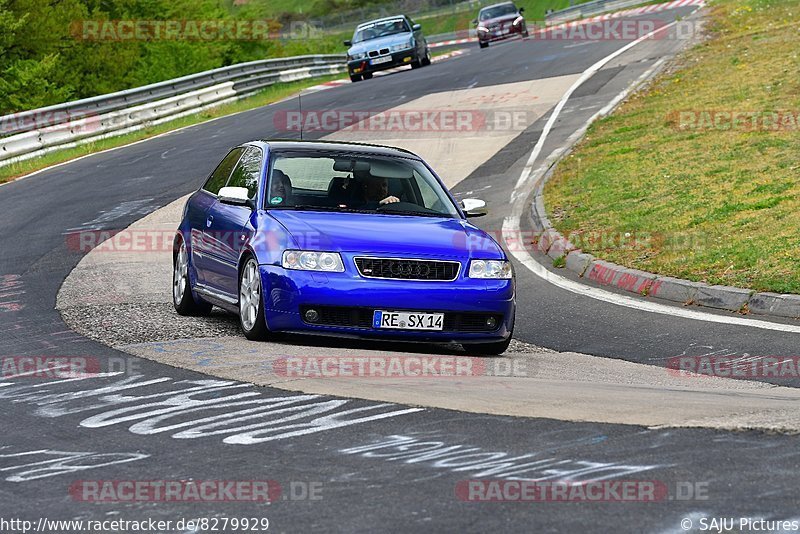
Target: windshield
(498, 11)
(356, 183)
(380, 29)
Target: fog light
(312, 316)
(491, 322)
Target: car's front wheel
(483, 44)
(251, 306)
(427, 59)
(182, 297)
(355, 78)
(494, 348)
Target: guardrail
(36, 132)
(589, 9)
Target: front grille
(373, 53)
(362, 318)
(399, 269)
(384, 51)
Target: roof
(499, 4)
(337, 146)
(382, 19)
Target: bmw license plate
(379, 60)
(407, 320)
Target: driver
(376, 189)
(280, 192)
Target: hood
(380, 42)
(396, 235)
(505, 19)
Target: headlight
(408, 44)
(360, 55)
(490, 269)
(307, 260)
(483, 29)
(518, 21)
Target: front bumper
(499, 34)
(398, 59)
(462, 301)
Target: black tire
(367, 75)
(257, 331)
(494, 348)
(182, 298)
(483, 44)
(427, 59)
(355, 78)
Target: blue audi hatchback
(341, 239)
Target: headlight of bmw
(309, 260)
(359, 55)
(498, 270)
(404, 46)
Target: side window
(220, 176)
(248, 171)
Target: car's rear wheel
(483, 44)
(489, 349)
(182, 297)
(355, 78)
(251, 306)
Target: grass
(651, 189)
(269, 95)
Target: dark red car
(500, 21)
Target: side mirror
(348, 43)
(475, 21)
(237, 196)
(474, 207)
(416, 27)
(522, 10)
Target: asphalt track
(57, 432)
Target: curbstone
(722, 297)
(775, 304)
(578, 261)
(675, 289)
(610, 274)
(546, 240)
(560, 247)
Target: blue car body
(219, 237)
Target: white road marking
(511, 224)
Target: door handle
(209, 221)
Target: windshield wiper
(412, 212)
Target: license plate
(408, 320)
(379, 60)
